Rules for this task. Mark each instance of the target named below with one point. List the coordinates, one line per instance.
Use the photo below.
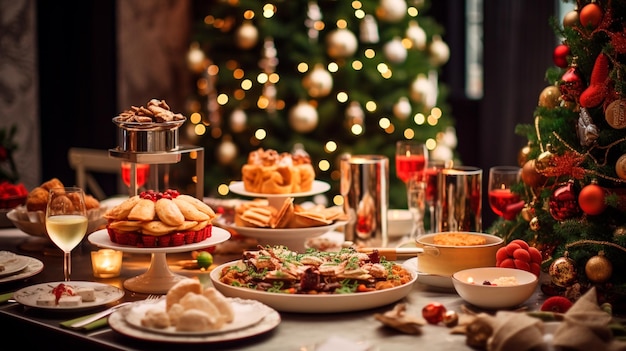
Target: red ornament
(434, 312)
(590, 15)
(571, 85)
(591, 199)
(560, 55)
(598, 87)
(562, 203)
(557, 304)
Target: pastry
(168, 212)
(122, 210)
(284, 215)
(189, 211)
(268, 172)
(180, 289)
(144, 210)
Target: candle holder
(106, 263)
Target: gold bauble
(530, 176)
(550, 97)
(619, 231)
(545, 162)
(527, 213)
(563, 271)
(571, 19)
(522, 156)
(598, 268)
(534, 224)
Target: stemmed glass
(142, 172)
(504, 202)
(66, 221)
(411, 159)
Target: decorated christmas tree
(331, 77)
(573, 189)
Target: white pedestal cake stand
(158, 279)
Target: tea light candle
(106, 263)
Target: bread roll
(180, 289)
(221, 302)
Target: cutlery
(393, 254)
(95, 317)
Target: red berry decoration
(434, 312)
(591, 199)
(557, 304)
(519, 255)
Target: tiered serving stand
(155, 144)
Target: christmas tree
(573, 188)
(331, 77)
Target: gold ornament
(563, 271)
(303, 117)
(550, 97)
(247, 36)
(619, 231)
(598, 268)
(527, 213)
(545, 162)
(318, 82)
(571, 19)
(522, 156)
(534, 224)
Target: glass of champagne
(502, 200)
(66, 221)
(411, 159)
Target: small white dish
(432, 280)
(471, 285)
(104, 294)
(33, 267)
(11, 263)
(247, 313)
(399, 223)
(318, 187)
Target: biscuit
(144, 210)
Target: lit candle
(106, 263)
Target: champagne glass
(504, 202)
(411, 159)
(66, 221)
(433, 167)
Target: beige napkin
(585, 327)
(514, 331)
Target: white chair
(88, 161)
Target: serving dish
(247, 313)
(432, 280)
(11, 263)
(445, 260)
(322, 303)
(105, 294)
(479, 286)
(318, 187)
(119, 323)
(293, 238)
(33, 222)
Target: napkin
(586, 327)
(5, 297)
(513, 331)
(99, 323)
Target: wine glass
(411, 159)
(504, 202)
(433, 167)
(142, 172)
(66, 221)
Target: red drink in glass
(407, 166)
(501, 200)
(142, 172)
(430, 175)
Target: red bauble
(560, 55)
(591, 199)
(562, 203)
(434, 312)
(590, 15)
(571, 85)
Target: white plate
(293, 238)
(12, 263)
(318, 187)
(118, 322)
(33, 266)
(247, 313)
(104, 294)
(329, 242)
(101, 239)
(330, 303)
(434, 280)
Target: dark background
(77, 69)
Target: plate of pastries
(30, 217)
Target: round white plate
(247, 313)
(318, 187)
(11, 262)
(328, 242)
(101, 238)
(434, 280)
(104, 294)
(292, 238)
(33, 266)
(118, 322)
(303, 303)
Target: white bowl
(33, 222)
(469, 284)
(399, 222)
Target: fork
(152, 298)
